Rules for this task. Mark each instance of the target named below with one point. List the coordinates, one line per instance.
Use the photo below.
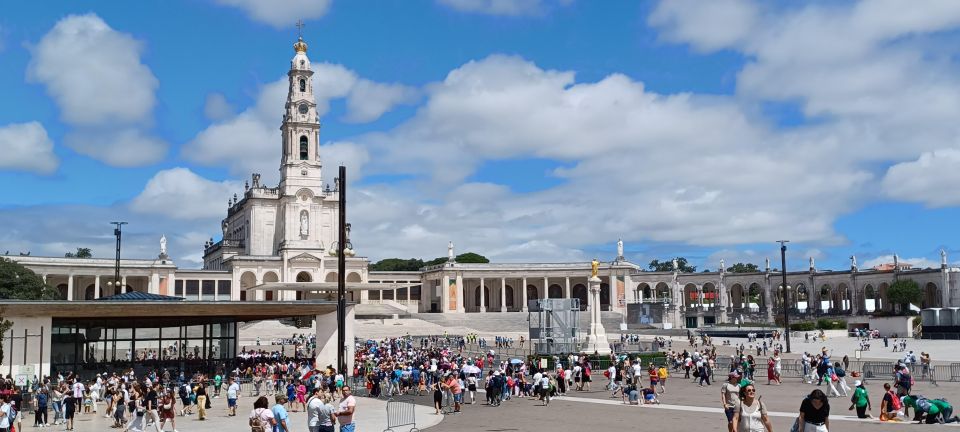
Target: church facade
(277, 241)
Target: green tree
(397, 264)
(20, 283)
(80, 253)
(471, 258)
(666, 266)
(905, 292)
(464, 258)
(743, 268)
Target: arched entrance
(737, 297)
(604, 297)
(509, 300)
(690, 296)
(90, 293)
(826, 298)
(580, 292)
(755, 297)
(710, 295)
(247, 280)
(662, 292)
(555, 291)
(869, 298)
(803, 298)
(62, 288)
(883, 302)
(267, 278)
(486, 298)
(931, 296)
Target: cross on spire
(300, 25)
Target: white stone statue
(853, 261)
(619, 248)
(675, 265)
(943, 258)
(723, 268)
(767, 261)
(450, 251)
(163, 244)
(896, 262)
(812, 265)
(304, 223)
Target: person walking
(751, 413)
(280, 415)
(233, 393)
(40, 417)
(730, 398)
(815, 413)
(261, 418)
(203, 401)
(346, 411)
(168, 410)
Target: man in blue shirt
(280, 414)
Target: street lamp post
(784, 303)
(341, 276)
(117, 232)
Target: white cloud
(280, 13)
(919, 263)
(707, 26)
(933, 179)
(181, 194)
(26, 147)
(125, 147)
(250, 142)
(95, 75)
(93, 72)
(504, 7)
(368, 100)
(216, 107)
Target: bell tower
(300, 166)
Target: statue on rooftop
(594, 268)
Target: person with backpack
(7, 413)
(261, 418)
(841, 374)
(890, 406)
(904, 381)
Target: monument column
(596, 341)
(483, 300)
(523, 295)
(503, 294)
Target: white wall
(327, 339)
(13, 356)
(888, 326)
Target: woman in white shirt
(751, 414)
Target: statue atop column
(896, 263)
(675, 265)
(163, 246)
(450, 251)
(619, 249)
(943, 258)
(767, 263)
(594, 268)
(813, 266)
(723, 268)
(853, 262)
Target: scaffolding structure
(554, 325)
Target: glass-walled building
(93, 345)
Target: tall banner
(452, 289)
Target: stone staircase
(383, 310)
(509, 322)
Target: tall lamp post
(785, 303)
(117, 232)
(341, 275)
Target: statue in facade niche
(304, 223)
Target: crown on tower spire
(300, 46)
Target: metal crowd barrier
(399, 414)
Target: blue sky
(542, 131)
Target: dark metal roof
(140, 296)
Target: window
(303, 148)
(303, 85)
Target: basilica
(278, 244)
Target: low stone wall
(901, 326)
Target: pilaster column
(123, 282)
(503, 294)
(445, 294)
(546, 288)
(566, 288)
(155, 284)
(461, 303)
(483, 299)
(96, 287)
(523, 296)
(70, 287)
